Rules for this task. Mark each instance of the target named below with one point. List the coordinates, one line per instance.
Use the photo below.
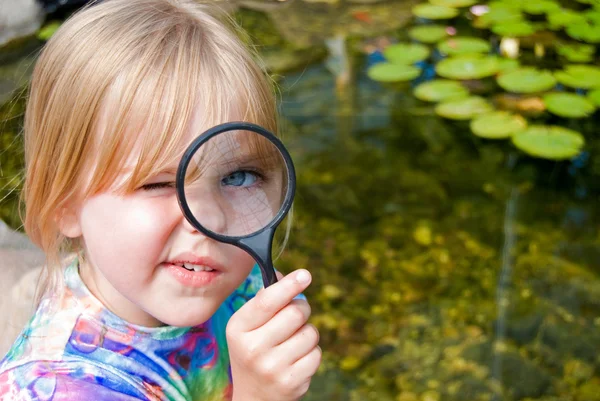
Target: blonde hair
(113, 70)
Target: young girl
(117, 94)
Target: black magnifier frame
(258, 244)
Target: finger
(302, 342)
(260, 309)
(307, 366)
(285, 322)
(279, 275)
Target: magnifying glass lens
(235, 183)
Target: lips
(194, 271)
(195, 267)
(195, 263)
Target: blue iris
(240, 179)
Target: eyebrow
(168, 170)
(246, 159)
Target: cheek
(119, 226)
(242, 261)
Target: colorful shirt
(79, 350)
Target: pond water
(446, 266)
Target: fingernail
(303, 277)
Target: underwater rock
(13, 77)
(519, 376)
(19, 19)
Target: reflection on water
(446, 267)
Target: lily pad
(454, 3)
(593, 14)
(406, 53)
(428, 33)
(468, 67)
(497, 125)
(526, 80)
(440, 90)
(564, 17)
(433, 12)
(538, 7)
(584, 31)
(549, 142)
(579, 76)
(568, 105)
(513, 29)
(48, 30)
(576, 53)
(508, 64)
(463, 109)
(496, 14)
(391, 72)
(594, 96)
(464, 45)
(514, 4)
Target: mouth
(196, 263)
(194, 270)
(193, 267)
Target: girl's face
(147, 264)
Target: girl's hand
(273, 351)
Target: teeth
(197, 268)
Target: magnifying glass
(235, 183)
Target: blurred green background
(448, 161)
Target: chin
(189, 320)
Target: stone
(19, 18)
(20, 266)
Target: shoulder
(62, 381)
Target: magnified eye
(240, 179)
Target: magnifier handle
(268, 275)
(259, 247)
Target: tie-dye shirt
(79, 350)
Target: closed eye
(158, 185)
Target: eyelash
(158, 185)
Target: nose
(208, 211)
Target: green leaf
(440, 90)
(594, 96)
(568, 105)
(579, 76)
(463, 45)
(549, 142)
(576, 52)
(454, 3)
(498, 13)
(468, 67)
(433, 12)
(564, 17)
(463, 109)
(406, 53)
(513, 29)
(48, 30)
(538, 7)
(526, 80)
(508, 64)
(584, 31)
(497, 125)
(390, 72)
(428, 33)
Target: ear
(68, 222)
